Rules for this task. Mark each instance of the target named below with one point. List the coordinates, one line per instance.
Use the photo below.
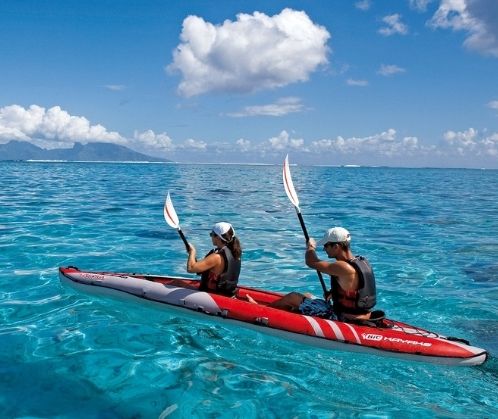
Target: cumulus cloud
(254, 52)
(420, 5)
(149, 139)
(479, 18)
(51, 127)
(384, 144)
(458, 149)
(281, 107)
(393, 25)
(191, 144)
(363, 5)
(284, 142)
(357, 83)
(150, 142)
(243, 144)
(390, 69)
(462, 138)
(471, 141)
(490, 144)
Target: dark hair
(233, 243)
(344, 245)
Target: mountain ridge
(23, 150)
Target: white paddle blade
(288, 185)
(170, 213)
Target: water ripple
(428, 233)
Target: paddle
(291, 193)
(172, 219)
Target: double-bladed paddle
(291, 193)
(172, 219)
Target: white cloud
(150, 140)
(479, 18)
(471, 142)
(243, 144)
(420, 5)
(383, 144)
(490, 145)
(462, 136)
(390, 69)
(359, 83)
(283, 142)
(115, 87)
(393, 25)
(192, 144)
(363, 5)
(459, 149)
(281, 107)
(252, 53)
(493, 105)
(51, 127)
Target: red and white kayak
(393, 338)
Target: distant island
(22, 150)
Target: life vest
(359, 301)
(226, 282)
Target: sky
(404, 83)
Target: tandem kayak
(390, 338)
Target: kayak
(386, 338)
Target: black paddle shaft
(307, 237)
(182, 236)
(301, 220)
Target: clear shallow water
(430, 234)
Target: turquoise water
(431, 235)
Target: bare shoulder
(212, 261)
(340, 268)
(213, 258)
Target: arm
(312, 260)
(202, 265)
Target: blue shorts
(317, 307)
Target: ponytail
(233, 243)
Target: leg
(289, 302)
(250, 299)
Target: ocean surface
(431, 235)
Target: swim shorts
(317, 307)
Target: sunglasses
(332, 244)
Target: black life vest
(226, 282)
(363, 299)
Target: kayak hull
(396, 339)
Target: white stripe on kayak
(336, 330)
(316, 327)
(354, 333)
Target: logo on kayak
(92, 276)
(379, 338)
(371, 336)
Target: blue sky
(380, 82)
